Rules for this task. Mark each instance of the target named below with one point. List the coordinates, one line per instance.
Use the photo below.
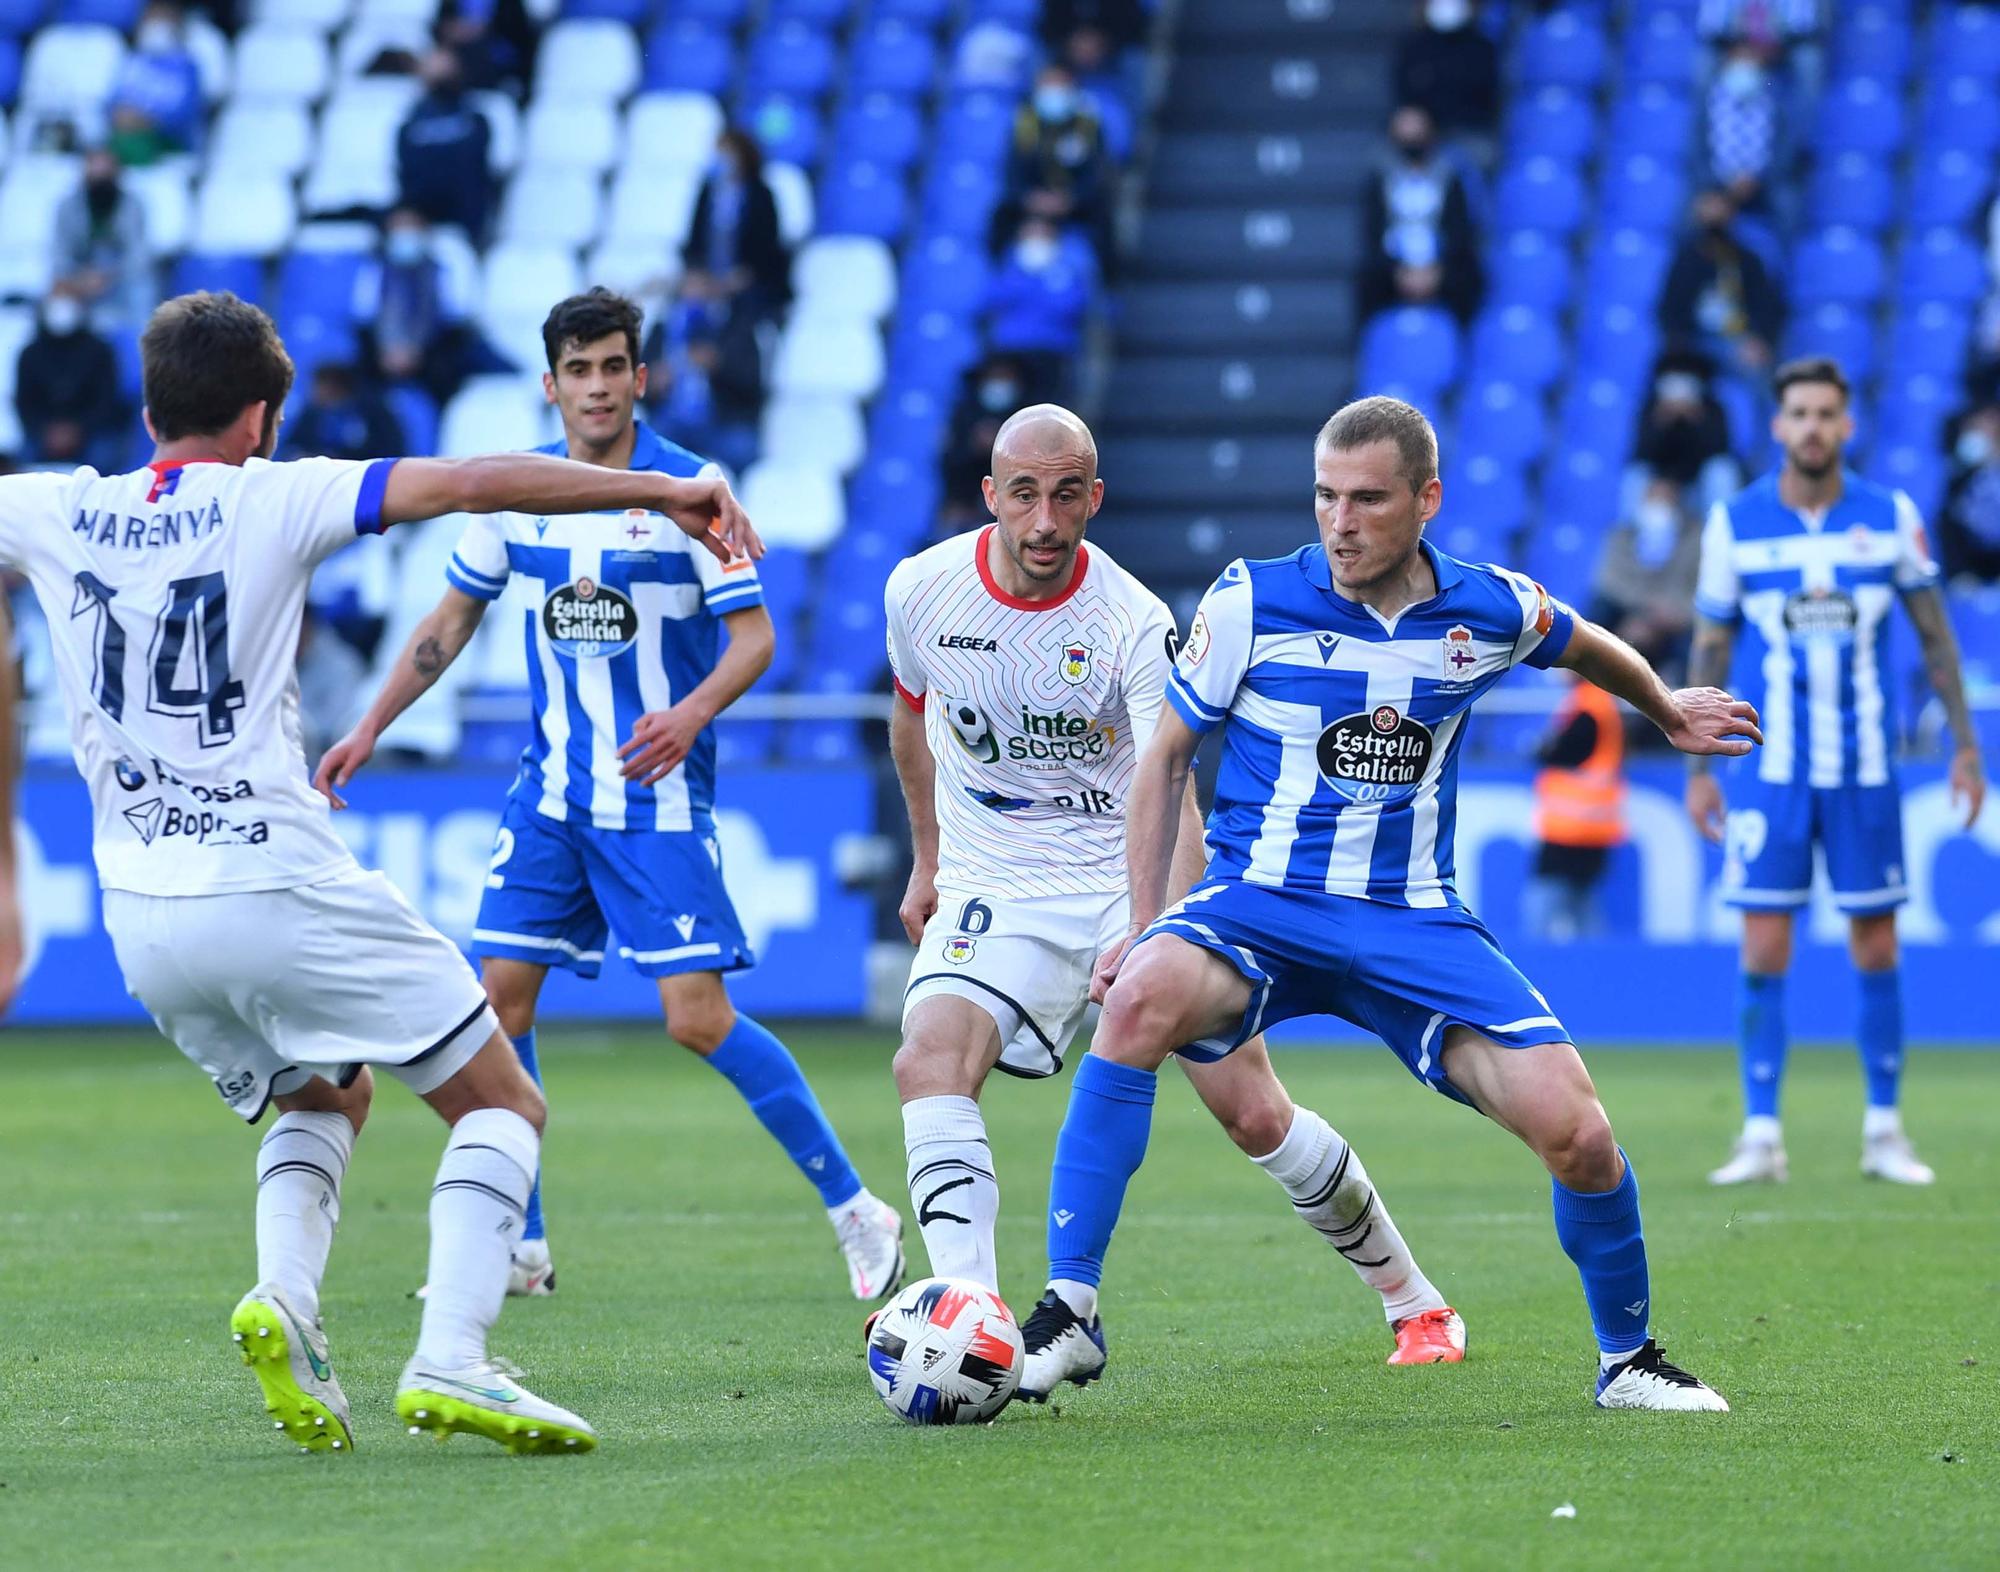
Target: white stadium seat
(503, 118)
(527, 279)
(239, 213)
(791, 190)
(587, 58)
(356, 162)
(816, 431)
(422, 12)
(496, 414)
(71, 65)
(285, 64)
(671, 130)
(25, 271)
(30, 191)
(517, 334)
(267, 138)
(794, 505)
(17, 326)
(653, 204)
(365, 41)
(499, 655)
(846, 275)
(581, 135)
(634, 267)
(431, 725)
(210, 47)
(552, 207)
(327, 16)
(820, 354)
(162, 190)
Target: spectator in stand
(1450, 68)
(156, 102)
(66, 390)
(1683, 435)
(494, 42)
(1420, 244)
(1644, 586)
(101, 254)
(993, 390)
(1718, 298)
(1095, 39)
(705, 379)
(343, 419)
(1038, 305)
(415, 329)
(1786, 31)
(444, 151)
(333, 684)
(734, 256)
(1740, 137)
(1058, 170)
(1969, 521)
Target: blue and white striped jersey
(623, 616)
(1340, 757)
(1813, 596)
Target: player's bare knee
(356, 1099)
(1871, 942)
(1582, 1153)
(516, 1014)
(1259, 1127)
(701, 1028)
(1138, 1025)
(928, 1067)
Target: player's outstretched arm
(11, 944)
(1940, 645)
(1695, 720)
(1152, 820)
(702, 506)
(661, 738)
(1709, 656)
(434, 644)
(917, 771)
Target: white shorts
(1027, 963)
(265, 989)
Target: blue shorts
(555, 890)
(1405, 973)
(1767, 861)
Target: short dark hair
(1382, 419)
(1810, 368)
(585, 318)
(207, 357)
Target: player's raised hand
(340, 764)
(660, 740)
(920, 903)
(1707, 720)
(1706, 807)
(1968, 783)
(707, 509)
(1108, 963)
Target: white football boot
(289, 1358)
(1646, 1380)
(1753, 1161)
(1060, 1346)
(1892, 1158)
(871, 1238)
(533, 1275)
(487, 1399)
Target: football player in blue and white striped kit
(1799, 575)
(635, 644)
(1341, 677)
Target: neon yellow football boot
(288, 1356)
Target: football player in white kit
(1030, 671)
(241, 921)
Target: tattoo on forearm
(429, 658)
(1927, 613)
(1708, 658)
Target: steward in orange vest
(1579, 813)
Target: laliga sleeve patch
(1196, 649)
(1545, 615)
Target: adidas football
(945, 1352)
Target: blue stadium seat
(1965, 40)
(1579, 502)
(713, 13)
(10, 70)
(1663, 47)
(1562, 49)
(918, 13)
(1964, 115)
(319, 283)
(1413, 344)
(787, 128)
(1913, 411)
(1527, 268)
(880, 128)
(1487, 501)
(1951, 188)
(1500, 421)
(1837, 264)
(792, 58)
(1838, 329)
(314, 340)
(1617, 340)
(688, 57)
(857, 198)
(959, 198)
(1654, 120)
(892, 57)
(1539, 194)
(931, 350)
(1641, 192)
(1552, 122)
(633, 13)
(242, 276)
(18, 18)
(1941, 264)
(1626, 267)
(825, 15)
(1599, 415)
(1871, 40)
(1934, 337)
(975, 126)
(1021, 15)
(121, 15)
(1860, 115)
(1517, 344)
(895, 499)
(907, 423)
(1854, 189)
(1914, 468)
(416, 414)
(945, 273)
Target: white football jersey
(173, 597)
(1035, 711)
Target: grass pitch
(703, 1325)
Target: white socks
(1330, 1191)
(952, 1188)
(1878, 1124)
(1763, 1130)
(1080, 1297)
(477, 1208)
(300, 1163)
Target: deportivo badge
(1075, 667)
(1459, 655)
(636, 529)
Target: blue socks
(1760, 1041)
(763, 1070)
(1881, 1035)
(1600, 1233)
(524, 1045)
(1102, 1144)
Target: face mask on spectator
(62, 316)
(1055, 102)
(998, 393)
(1414, 149)
(405, 246)
(1035, 252)
(1973, 446)
(1448, 16)
(1741, 78)
(157, 38)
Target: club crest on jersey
(1459, 655)
(1376, 755)
(958, 949)
(635, 530)
(586, 620)
(1075, 667)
